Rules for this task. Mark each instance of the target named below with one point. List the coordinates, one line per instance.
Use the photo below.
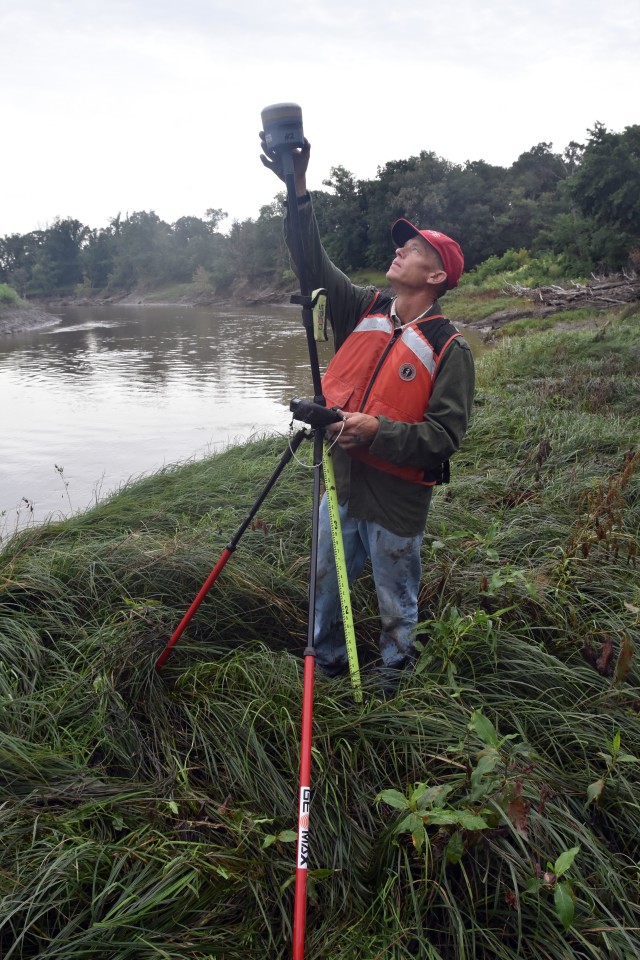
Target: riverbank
(20, 319)
(46, 313)
(490, 810)
(492, 313)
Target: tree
(52, 257)
(585, 245)
(537, 171)
(215, 216)
(98, 256)
(143, 250)
(477, 203)
(255, 250)
(13, 261)
(572, 156)
(416, 188)
(342, 221)
(190, 247)
(606, 186)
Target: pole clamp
(317, 305)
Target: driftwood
(600, 293)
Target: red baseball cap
(448, 250)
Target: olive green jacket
(396, 504)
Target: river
(112, 393)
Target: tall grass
(491, 810)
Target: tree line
(581, 205)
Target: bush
(8, 296)
(518, 266)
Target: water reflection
(114, 392)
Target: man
(404, 379)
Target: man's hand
(300, 163)
(356, 430)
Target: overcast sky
(115, 106)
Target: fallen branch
(602, 292)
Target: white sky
(114, 106)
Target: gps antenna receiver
(282, 125)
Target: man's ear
(436, 277)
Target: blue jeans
(396, 572)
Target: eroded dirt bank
(18, 319)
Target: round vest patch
(407, 372)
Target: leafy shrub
(8, 295)
(518, 266)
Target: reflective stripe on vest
(422, 350)
(375, 323)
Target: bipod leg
(230, 548)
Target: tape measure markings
(341, 572)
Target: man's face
(415, 265)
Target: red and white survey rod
(304, 796)
(304, 811)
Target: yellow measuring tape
(341, 571)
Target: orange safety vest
(382, 370)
